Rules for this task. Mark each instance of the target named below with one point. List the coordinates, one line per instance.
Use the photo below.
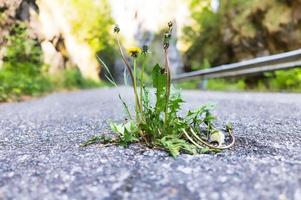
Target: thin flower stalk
(142, 86)
(212, 146)
(132, 78)
(137, 108)
(168, 81)
(167, 37)
(145, 51)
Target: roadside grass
(279, 81)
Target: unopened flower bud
(167, 35)
(170, 24)
(144, 49)
(116, 29)
(165, 45)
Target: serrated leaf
(175, 103)
(159, 82)
(127, 132)
(174, 145)
(146, 98)
(128, 137)
(120, 128)
(131, 126)
(117, 128)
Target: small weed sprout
(159, 125)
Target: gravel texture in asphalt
(40, 157)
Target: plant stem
(190, 139)
(141, 88)
(124, 59)
(167, 70)
(135, 91)
(131, 74)
(211, 146)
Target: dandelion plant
(157, 123)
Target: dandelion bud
(116, 29)
(165, 45)
(167, 35)
(170, 24)
(144, 49)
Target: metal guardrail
(286, 60)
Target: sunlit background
(49, 45)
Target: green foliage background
(242, 29)
(94, 26)
(238, 29)
(22, 71)
(24, 74)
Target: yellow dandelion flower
(134, 51)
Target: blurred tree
(241, 29)
(22, 70)
(204, 36)
(91, 22)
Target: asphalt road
(40, 157)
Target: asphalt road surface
(40, 157)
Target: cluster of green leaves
(283, 80)
(127, 132)
(226, 84)
(22, 70)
